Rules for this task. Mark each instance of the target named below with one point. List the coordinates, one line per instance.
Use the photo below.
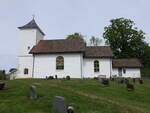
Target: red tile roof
(128, 63)
(98, 51)
(58, 46)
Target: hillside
(88, 96)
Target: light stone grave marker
(33, 92)
(60, 104)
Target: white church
(39, 58)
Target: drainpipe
(81, 61)
(33, 66)
(110, 67)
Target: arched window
(60, 63)
(26, 71)
(96, 66)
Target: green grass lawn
(88, 96)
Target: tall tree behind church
(126, 40)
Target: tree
(76, 36)
(125, 39)
(94, 41)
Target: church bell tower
(30, 35)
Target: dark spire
(31, 25)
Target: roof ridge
(97, 46)
(53, 39)
(125, 58)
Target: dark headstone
(121, 81)
(67, 77)
(140, 81)
(112, 79)
(130, 87)
(50, 77)
(105, 82)
(2, 85)
(60, 104)
(33, 92)
(55, 76)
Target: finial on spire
(33, 16)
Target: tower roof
(31, 25)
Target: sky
(59, 18)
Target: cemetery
(75, 95)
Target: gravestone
(60, 104)
(112, 79)
(101, 77)
(140, 81)
(2, 85)
(121, 81)
(130, 87)
(105, 82)
(33, 92)
(55, 76)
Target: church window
(26, 71)
(60, 63)
(96, 66)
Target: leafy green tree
(124, 39)
(95, 41)
(76, 36)
(127, 41)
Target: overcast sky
(59, 18)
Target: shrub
(130, 87)
(2, 76)
(67, 77)
(105, 82)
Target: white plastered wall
(105, 66)
(45, 65)
(130, 72)
(28, 39)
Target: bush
(2, 76)
(145, 72)
(50, 78)
(67, 77)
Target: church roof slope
(58, 46)
(31, 25)
(128, 63)
(98, 52)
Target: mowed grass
(86, 96)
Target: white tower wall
(28, 39)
